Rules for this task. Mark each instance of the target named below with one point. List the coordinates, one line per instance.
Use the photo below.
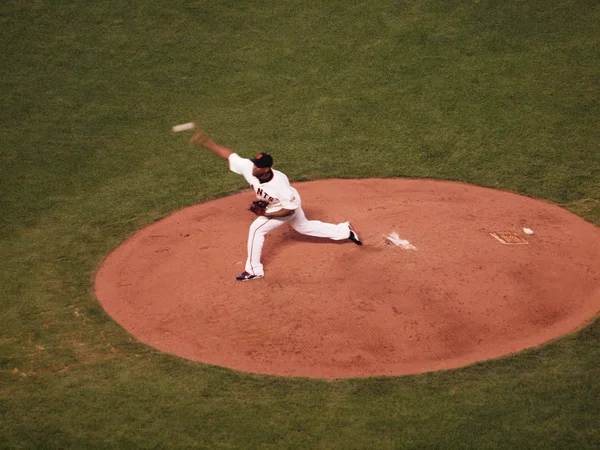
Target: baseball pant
(298, 221)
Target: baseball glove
(259, 207)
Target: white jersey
(277, 191)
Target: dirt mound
(440, 291)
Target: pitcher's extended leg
(316, 228)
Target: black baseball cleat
(245, 276)
(353, 236)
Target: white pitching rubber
(183, 127)
(393, 238)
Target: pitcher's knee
(258, 228)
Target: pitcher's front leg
(256, 238)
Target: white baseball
(528, 231)
(183, 127)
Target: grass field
(498, 94)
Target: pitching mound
(446, 277)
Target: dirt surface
(332, 309)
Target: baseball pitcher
(278, 203)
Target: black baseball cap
(263, 160)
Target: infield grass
(498, 94)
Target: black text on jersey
(263, 194)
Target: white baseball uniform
(280, 195)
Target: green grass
(499, 94)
